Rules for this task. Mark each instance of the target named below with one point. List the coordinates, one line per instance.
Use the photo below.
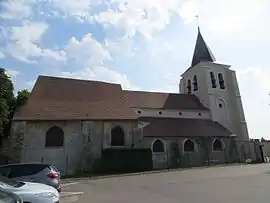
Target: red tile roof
(158, 100)
(55, 98)
(179, 127)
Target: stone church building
(68, 122)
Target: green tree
(6, 88)
(4, 112)
(22, 98)
(7, 101)
(19, 101)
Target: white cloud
(190, 9)
(24, 43)
(30, 31)
(23, 51)
(30, 84)
(225, 17)
(235, 16)
(14, 9)
(128, 16)
(148, 17)
(123, 47)
(87, 51)
(145, 17)
(254, 85)
(2, 55)
(101, 74)
(79, 9)
(19, 80)
(158, 47)
(13, 73)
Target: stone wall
(175, 157)
(249, 151)
(83, 143)
(64, 158)
(13, 146)
(266, 148)
(92, 135)
(128, 128)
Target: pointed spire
(201, 52)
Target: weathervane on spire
(197, 18)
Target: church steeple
(201, 52)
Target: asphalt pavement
(239, 184)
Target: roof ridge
(76, 79)
(144, 91)
(179, 118)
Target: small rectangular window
(195, 83)
(189, 87)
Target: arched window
(158, 146)
(213, 80)
(117, 137)
(189, 146)
(195, 83)
(221, 81)
(54, 137)
(189, 86)
(217, 145)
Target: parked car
(8, 197)
(30, 192)
(33, 172)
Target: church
(68, 122)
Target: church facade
(68, 122)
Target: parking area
(241, 184)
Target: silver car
(8, 197)
(29, 192)
(33, 172)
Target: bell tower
(216, 87)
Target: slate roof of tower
(54, 98)
(183, 127)
(201, 52)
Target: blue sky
(144, 45)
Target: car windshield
(6, 182)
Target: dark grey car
(33, 172)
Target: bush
(126, 160)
